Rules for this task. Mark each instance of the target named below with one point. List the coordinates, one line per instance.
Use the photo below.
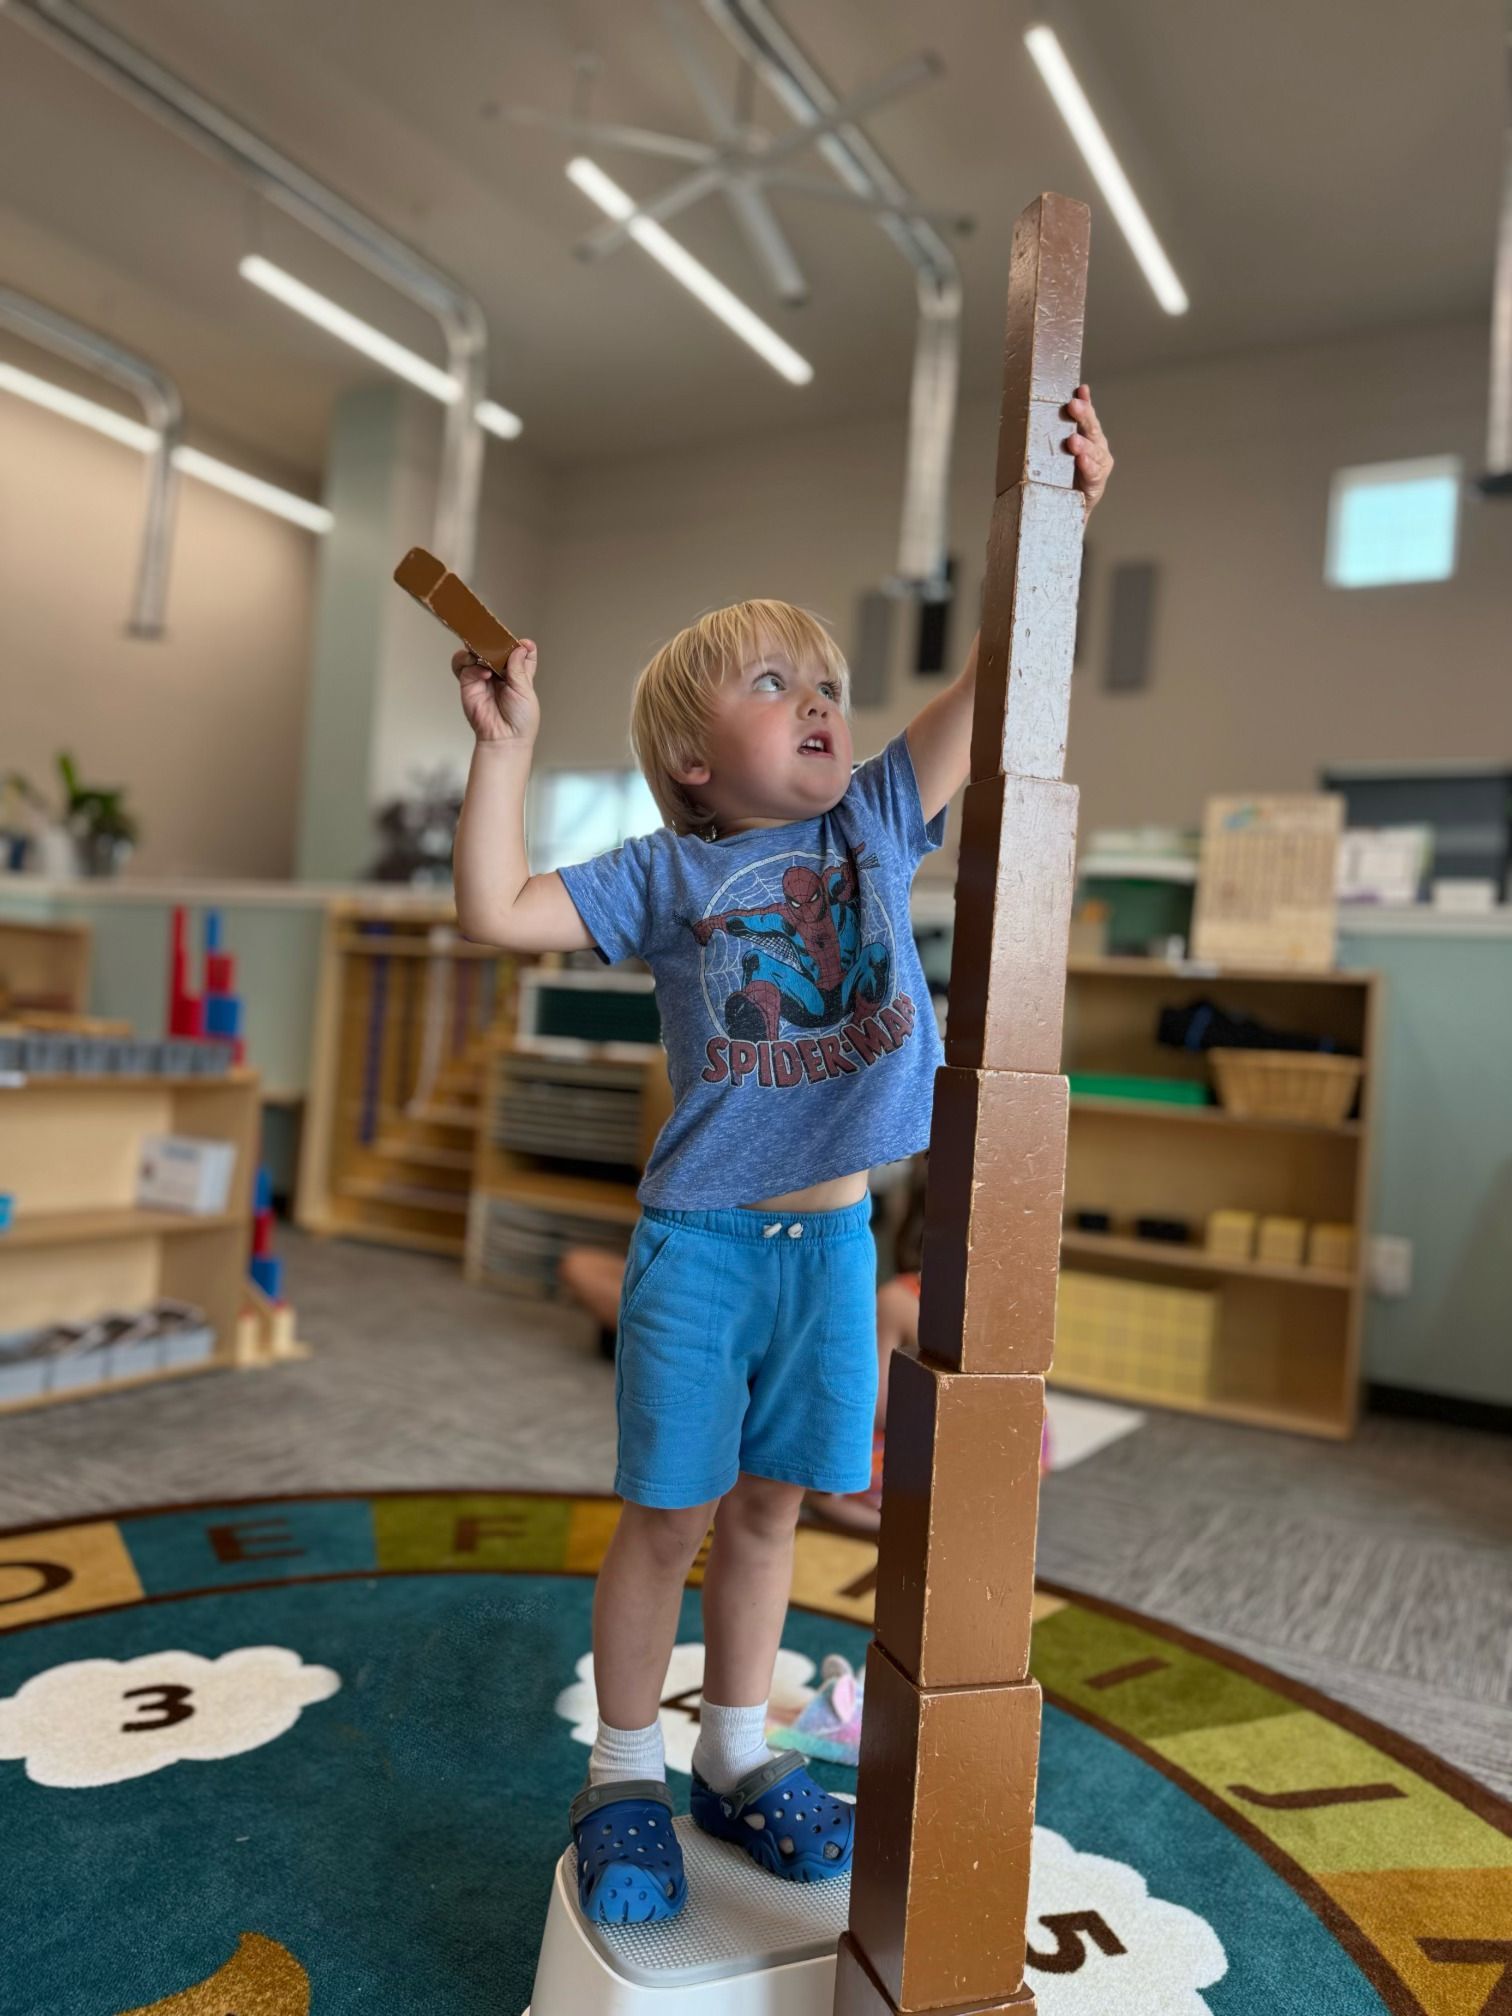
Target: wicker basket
(1286, 1084)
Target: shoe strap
(755, 1784)
(613, 1793)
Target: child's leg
(635, 1612)
(747, 1582)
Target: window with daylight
(1393, 521)
(578, 813)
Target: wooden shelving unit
(528, 1206)
(44, 966)
(79, 1245)
(406, 1012)
(1288, 1338)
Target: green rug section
(317, 1754)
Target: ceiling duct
(138, 77)
(163, 411)
(788, 72)
(1497, 481)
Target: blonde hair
(674, 696)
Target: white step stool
(744, 1944)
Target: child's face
(756, 769)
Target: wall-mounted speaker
(1131, 623)
(933, 639)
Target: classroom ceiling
(1312, 169)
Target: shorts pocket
(670, 1355)
(652, 1243)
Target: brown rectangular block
(1042, 340)
(992, 1224)
(1028, 633)
(1014, 884)
(453, 603)
(944, 1816)
(960, 1505)
(858, 1992)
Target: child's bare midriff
(833, 1195)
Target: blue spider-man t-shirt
(801, 1040)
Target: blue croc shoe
(782, 1819)
(630, 1864)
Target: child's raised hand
(1089, 444)
(501, 706)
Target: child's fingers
(522, 661)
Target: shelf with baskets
(78, 1245)
(1239, 1336)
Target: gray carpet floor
(1379, 1571)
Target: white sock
(627, 1753)
(731, 1741)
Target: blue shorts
(747, 1341)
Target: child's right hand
(502, 706)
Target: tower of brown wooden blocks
(950, 1742)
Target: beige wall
(204, 726)
(1261, 673)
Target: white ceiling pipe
(138, 77)
(758, 34)
(159, 399)
(1497, 480)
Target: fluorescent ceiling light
(252, 489)
(318, 308)
(192, 461)
(350, 328)
(499, 420)
(1044, 46)
(697, 278)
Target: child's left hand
(1089, 444)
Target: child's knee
(761, 1508)
(672, 1537)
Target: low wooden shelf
(1194, 1259)
(405, 1013)
(528, 1207)
(80, 1245)
(1287, 1350)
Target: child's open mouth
(815, 745)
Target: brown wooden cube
(1012, 920)
(992, 1225)
(960, 1504)
(858, 1992)
(1042, 342)
(1028, 633)
(944, 1815)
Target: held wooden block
(453, 603)
(960, 1504)
(1012, 919)
(1042, 342)
(1023, 682)
(992, 1226)
(858, 1992)
(944, 1815)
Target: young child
(773, 910)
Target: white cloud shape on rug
(1111, 1944)
(681, 1693)
(99, 1721)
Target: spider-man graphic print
(800, 1038)
(800, 949)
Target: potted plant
(103, 830)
